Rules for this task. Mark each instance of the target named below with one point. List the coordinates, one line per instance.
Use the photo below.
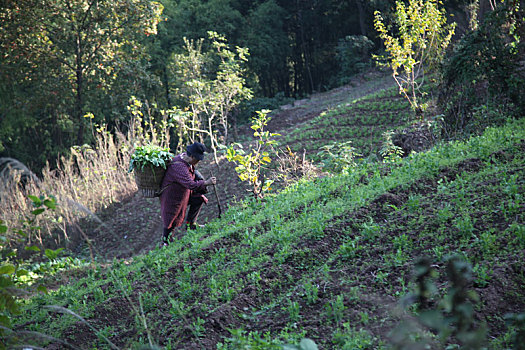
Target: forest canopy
(67, 66)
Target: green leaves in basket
(150, 155)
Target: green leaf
(33, 248)
(5, 321)
(36, 201)
(21, 272)
(432, 319)
(5, 282)
(53, 254)
(38, 211)
(11, 305)
(7, 269)
(50, 203)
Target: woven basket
(149, 180)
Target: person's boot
(193, 225)
(165, 238)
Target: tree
(483, 78)
(419, 47)
(212, 84)
(269, 45)
(75, 49)
(190, 19)
(250, 166)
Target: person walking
(183, 186)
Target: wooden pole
(217, 196)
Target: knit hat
(196, 150)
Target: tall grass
(89, 179)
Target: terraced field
(363, 121)
(423, 251)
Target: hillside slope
(328, 259)
(133, 226)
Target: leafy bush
(418, 48)
(389, 151)
(150, 155)
(454, 316)
(250, 166)
(12, 273)
(483, 80)
(338, 157)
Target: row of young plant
(216, 263)
(363, 120)
(402, 251)
(475, 215)
(348, 330)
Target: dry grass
(88, 180)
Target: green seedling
(312, 292)
(350, 249)
(335, 309)
(293, 310)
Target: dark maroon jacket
(180, 176)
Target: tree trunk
(361, 12)
(80, 90)
(304, 50)
(166, 85)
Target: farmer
(182, 188)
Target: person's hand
(211, 181)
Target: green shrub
(482, 80)
(250, 166)
(418, 47)
(338, 156)
(12, 271)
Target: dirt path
(134, 226)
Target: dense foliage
(150, 156)
(484, 78)
(418, 48)
(91, 56)
(62, 59)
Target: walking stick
(217, 196)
